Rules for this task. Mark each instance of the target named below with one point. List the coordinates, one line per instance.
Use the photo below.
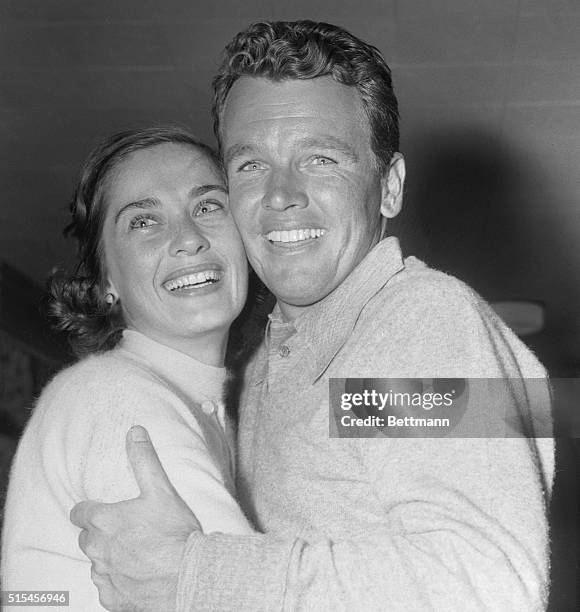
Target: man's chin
(300, 297)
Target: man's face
(305, 190)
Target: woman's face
(172, 253)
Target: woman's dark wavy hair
(77, 304)
(283, 50)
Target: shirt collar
(326, 325)
(197, 380)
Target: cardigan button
(284, 351)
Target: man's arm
(436, 549)
(436, 553)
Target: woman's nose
(284, 191)
(188, 239)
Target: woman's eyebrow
(202, 189)
(147, 203)
(139, 204)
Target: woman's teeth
(199, 279)
(294, 235)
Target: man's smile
(295, 235)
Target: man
(307, 123)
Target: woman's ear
(111, 294)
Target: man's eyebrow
(310, 142)
(139, 204)
(236, 151)
(329, 142)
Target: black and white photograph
(290, 305)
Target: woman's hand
(136, 546)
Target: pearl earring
(110, 299)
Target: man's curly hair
(285, 50)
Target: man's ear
(392, 183)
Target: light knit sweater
(73, 449)
(400, 525)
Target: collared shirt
(327, 325)
(384, 523)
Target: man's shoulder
(419, 288)
(417, 308)
(423, 317)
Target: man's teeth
(199, 279)
(294, 235)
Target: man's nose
(188, 239)
(283, 191)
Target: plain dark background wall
(490, 103)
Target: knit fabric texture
(394, 524)
(73, 449)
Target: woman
(162, 275)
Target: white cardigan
(73, 449)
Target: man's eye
(321, 160)
(207, 206)
(250, 166)
(142, 221)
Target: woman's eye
(208, 206)
(142, 221)
(250, 166)
(321, 160)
